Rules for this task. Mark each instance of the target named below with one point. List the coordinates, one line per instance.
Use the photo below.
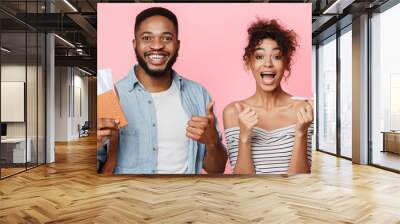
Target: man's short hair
(156, 11)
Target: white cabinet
(18, 149)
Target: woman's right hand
(248, 119)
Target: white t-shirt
(172, 141)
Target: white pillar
(360, 90)
(50, 92)
(50, 109)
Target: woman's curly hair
(270, 29)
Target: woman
(269, 132)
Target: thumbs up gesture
(202, 128)
(248, 119)
(305, 116)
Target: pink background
(213, 37)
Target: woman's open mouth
(267, 77)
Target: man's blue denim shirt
(137, 150)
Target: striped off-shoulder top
(271, 150)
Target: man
(171, 124)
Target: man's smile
(156, 58)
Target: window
(385, 88)
(327, 96)
(346, 92)
(22, 65)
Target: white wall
(70, 83)
(79, 117)
(33, 127)
(61, 103)
(12, 73)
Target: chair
(84, 130)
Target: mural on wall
(211, 47)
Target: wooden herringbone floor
(70, 191)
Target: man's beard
(156, 73)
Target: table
(391, 141)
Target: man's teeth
(156, 57)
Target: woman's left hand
(305, 115)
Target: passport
(108, 105)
